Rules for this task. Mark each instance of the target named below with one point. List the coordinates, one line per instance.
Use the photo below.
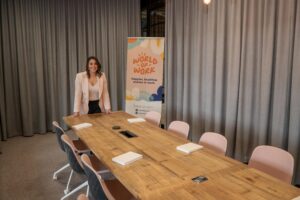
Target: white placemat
(135, 120)
(127, 158)
(189, 147)
(296, 198)
(81, 126)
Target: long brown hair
(98, 72)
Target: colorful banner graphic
(144, 88)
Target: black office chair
(99, 188)
(95, 188)
(75, 164)
(82, 148)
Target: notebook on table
(127, 158)
(189, 147)
(135, 120)
(81, 126)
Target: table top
(164, 172)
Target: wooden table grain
(164, 172)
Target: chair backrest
(180, 128)
(73, 157)
(273, 161)
(214, 141)
(153, 117)
(58, 132)
(97, 186)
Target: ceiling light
(207, 1)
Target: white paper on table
(135, 120)
(127, 158)
(296, 198)
(189, 147)
(81, 126)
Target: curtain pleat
(232, 67)
(45, 43)
(294, 115)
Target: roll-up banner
(144, 79)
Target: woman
(91, 94)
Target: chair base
(66, 191)
(59, 170)
(75, 190)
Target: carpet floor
(27, 165)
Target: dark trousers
(94, 107)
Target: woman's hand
(75, 114)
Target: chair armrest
(103, 171)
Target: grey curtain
(233, 67)
(44, 43)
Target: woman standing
(91, 93)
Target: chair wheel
(66, 191)
(54, 177)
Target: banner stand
(144, 89)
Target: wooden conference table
(164, 172)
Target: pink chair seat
(179, 128)
(273, 161)
(153, 117)
(214, 141)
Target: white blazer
(81, 100)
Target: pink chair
(214, 141)
(273, 161)
(153, 117)
(179, 128)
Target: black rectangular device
(199, 179)
(128, 134)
